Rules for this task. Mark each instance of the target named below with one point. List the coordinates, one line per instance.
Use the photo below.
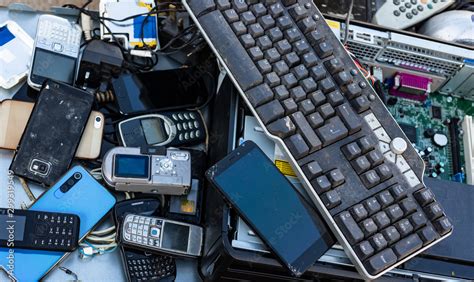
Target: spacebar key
(228, 46)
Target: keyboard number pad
(151, 268)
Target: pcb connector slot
(468, 140)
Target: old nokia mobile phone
(77, 192)
(267, 201)
(163, 129)
(56, 51)
(15, 114)
(52, 135)
(161, 235)
(143, 265)
(38, 230)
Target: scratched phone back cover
(53, 133)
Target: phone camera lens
(77, 175)
(98, 119)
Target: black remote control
(27, 229)
(141, 265)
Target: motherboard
(434, 126)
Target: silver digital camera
(155, 170)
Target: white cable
(86, 24)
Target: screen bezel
(39, 79)
(326, 238)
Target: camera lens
(98, 119)
(77, 175)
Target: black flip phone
(266, 200)
(53, 133)
(38, 230)
(140, 265)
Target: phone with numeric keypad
(56, 51)
(38, 230)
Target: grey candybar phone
(267, 201)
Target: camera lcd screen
(14, 226)
(131, 166)
(154, 130)
(175, 237)
(53, 65)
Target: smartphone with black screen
(266, 200)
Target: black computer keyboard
(353, 159)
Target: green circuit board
(440, 114)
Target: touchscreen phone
(267, 201)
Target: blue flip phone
(77, 192)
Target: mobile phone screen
(272, 207)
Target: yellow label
(333, 24)
(285, 168)
(188, 206)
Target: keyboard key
(276, 10)
(381, 219)
(326, 111)
(288, 2)
(385, 198)
(398, 192)
(270, 111)
(282, 46)
(248, 18)
(343, 78)
(300, 72)
(297, 146)
(428, 235)
(223, 4)
(360, 104)
(375, 157)
(258, 9)
(368, 226)
(272, 79)
(322, 184)
(384, 172)
(281, 68)
(404, 227)
(290, 106)
(352, 91)
(239, 28)
(360, 165)
(315, 37)
(407, 246)
(408, 205)
(282, 128)
(351, 151)
(349, 227)
(289, 80)
(310, 59)
(259, 95)
(394, 212)
(284, 22)
(272, 55)
(306, 107)
(255, 53)
(443, 225)
(298, 13)
(335, 98)
(307, 25)
(336, 177)
(331, 199)
(292, 34)
(434, 211)
(301, 47)
(281, 92)
(366, 144)
(424, 197)
(318, 72)
(334, 65)
(391, 234)
(327, 85)
(333, 131)
(264, 42)
(298, 94)
(236, 58)
(350, 119)
(380, 261)
(315, 120)
(309, 85)
(317, 98)
(378, 242)
(364, 250)
(256, 30)
(418, 220)
(306, 131)
(324, 50)
(359, 212)
(230, 15)
(370, 178)
(312, 170)
(239, 6)
(248, 41)
(372, 205)
(266, 22)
